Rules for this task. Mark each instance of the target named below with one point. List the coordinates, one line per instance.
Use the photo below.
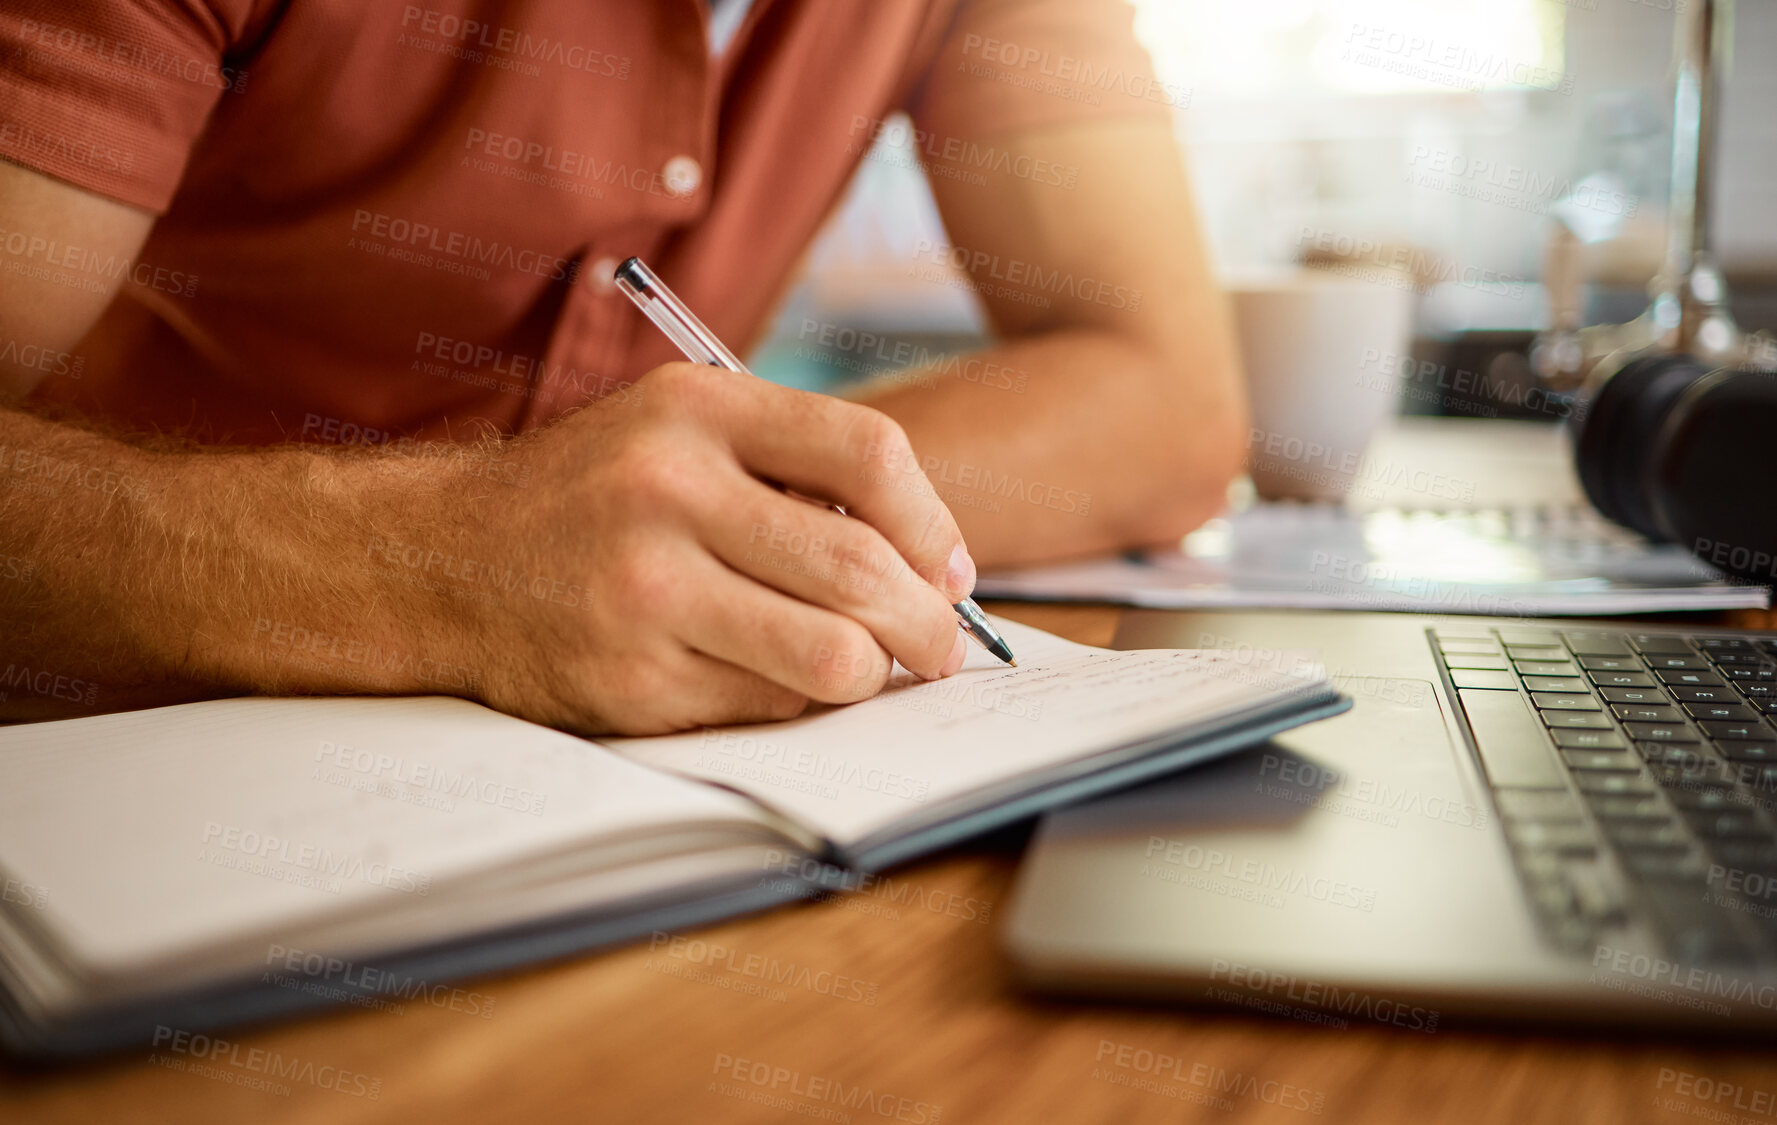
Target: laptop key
(1610, 663)
(1749, 855)
(1725, 644)
(1648, 837)
(1597, 896)
(1656, 642)
(1612, 761)
(1555, 683)
(1614, 783)
(1536, 804)
(1720, 693)
(1462, 633)
(1634, 695)
(1727, 825)
(1674, 660)
(1545, 668)
(1621, 679)
(1589, 643)
(1566, 839)
(1707, 795)
(1683, 677)
(1764, 673)
(1684, 755)
(1660, 866)
(1554, 898)
(1608, 807)
(1736, 732)
(1477, 660)
(1468, 644)
(1687, 774)
(1660, 732)
(1547, 701)
(1512, 635)
(1644, 713)
(1737, 712)
(1689, 787)
(1514, 749)
(1577, 720)
(1733, 658)
(1546, 866)
(1534, 652)
(1588, 740)
(1706, 799)
(1479, 678)
(1761, 778)
(1735, 750)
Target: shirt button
(682, 175)
(601, 276)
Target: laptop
(1545, 820)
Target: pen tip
(1013, 663)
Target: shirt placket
(677, 102)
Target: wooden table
(907, 1002)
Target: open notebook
(194, 866)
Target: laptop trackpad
(1386, 759)
(1359, 830)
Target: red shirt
(400, 219)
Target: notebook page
(847, 772)
(148, 831)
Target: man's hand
(626, 570)
(711, 596)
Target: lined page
(848, 772)
(141, 833)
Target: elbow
(1205, 452)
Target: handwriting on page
(850, 771)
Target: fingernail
(962, 572)
(957, 652)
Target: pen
(700, 345)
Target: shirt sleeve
(109, 95)
(1006, 65)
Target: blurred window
(1283, 48)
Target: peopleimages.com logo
(311, 859)
(253, 1067)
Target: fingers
(847, 454)
(811, 651)
(727, 694)
(841, 564)
(667, 687)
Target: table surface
(905, 1013)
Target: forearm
(1072, 442)
(131, 577)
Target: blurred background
(1538, 146)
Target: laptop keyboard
(1635, 775)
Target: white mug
(1323, 352)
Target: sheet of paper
(136, 834)
(847, 772)
(1513, 562)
